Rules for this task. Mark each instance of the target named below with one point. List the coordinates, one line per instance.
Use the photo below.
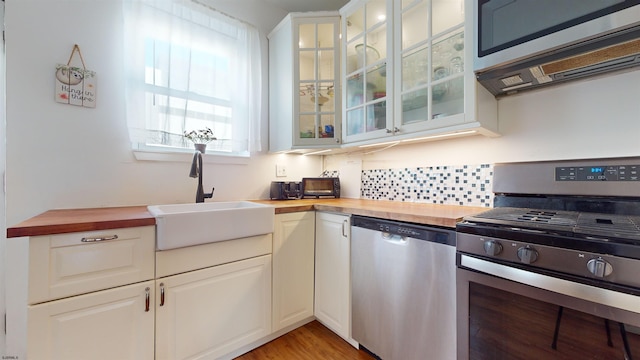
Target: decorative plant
(202, 136)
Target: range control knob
(599, 267)
(492, 247)
(527, 255)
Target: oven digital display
(598, 173)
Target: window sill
(166, 156)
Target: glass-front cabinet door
(317, 103)
(304, 82)
(431, 57)
(408, 73)
(367, 69)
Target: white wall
(593, 118)
(3, 257)
(63, 156)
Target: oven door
(510, 313)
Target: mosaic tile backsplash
(468, 185)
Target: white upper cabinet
(408, 72)
(304, 90)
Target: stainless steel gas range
(553, 271)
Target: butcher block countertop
(77, 220)
(427, 214)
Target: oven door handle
(577, 290)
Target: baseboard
(351, 341)
(256, 344)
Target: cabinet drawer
(76, 263)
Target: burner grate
(538, 216)
(596, 225)
(609, 225)
(531, 216)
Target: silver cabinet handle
(147, 300)
(95, 239)
(161, 294)
(344, 224)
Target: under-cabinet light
(379, 144)
(441, 135)
(317, 152)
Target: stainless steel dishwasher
(403, 289)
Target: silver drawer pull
(94, 239)
(161, 294)
(147, 299)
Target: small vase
(201, 147)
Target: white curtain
(189, 67)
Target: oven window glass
(503, 325)
(506, 23)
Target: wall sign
(75, 85)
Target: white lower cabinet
(293, 253)
(207, 313)
(204, 302)
(332, 275)
(109, 324)
(88, 295)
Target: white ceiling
(307, 5)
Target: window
(189, 67)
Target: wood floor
(310, 342)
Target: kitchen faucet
(196, 171)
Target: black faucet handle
(209, 195)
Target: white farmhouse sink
(180, 225)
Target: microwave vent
(512, 80)
(628, 50)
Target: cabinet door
(293, 268)
(333, 293)
(368, 70)
(110, 324)
(317, 105)
(208, 313)
(430, 54)
(305, 105)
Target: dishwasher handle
(410, 230)
(394, 238)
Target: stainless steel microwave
(514, 39)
